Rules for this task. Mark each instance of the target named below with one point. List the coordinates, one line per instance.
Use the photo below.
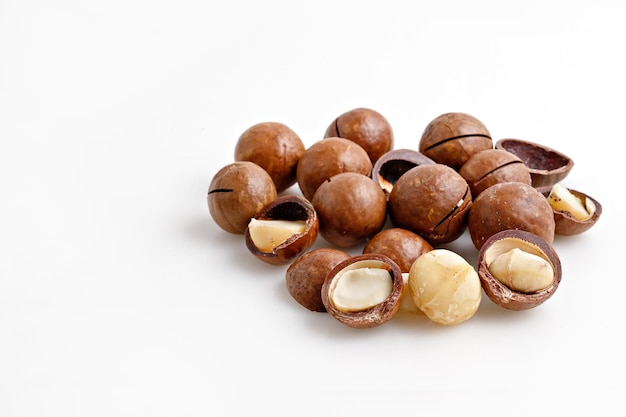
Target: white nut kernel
(522, 271)
(445, 286)
(361, 288)
(268, 234)
(406, 302)
(561, 199)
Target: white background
(119, 296)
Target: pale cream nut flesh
(522, 271)
(359, 289)
(561, 199)
(268, 234)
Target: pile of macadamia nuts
(402, 206)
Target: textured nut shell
(288, 207)
(510, 205)
(366, 127)
(351, 208)
(424, 200)
(452, 138)
(328, 157)
(393, 164)
(568, 225)
(305, 276)
(376, 315)
(547, 166)
(493, 166)
(237, 193)
(274, 147)
(401, 245)
(505, 297)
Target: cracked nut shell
(366, 127)
(390, 166)
(237, 192)
(547, 166)
(565, 224)
(375, 315)
(432, 200)
(493, 166)
(287, 207)
(401, 245)
(452, 138)
(502, 294)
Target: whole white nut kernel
(445, 286)
(268, 234)
(522, 271)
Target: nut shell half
(567, 225)
(287, 207)
(547, 166)
(379, 313)
(499, 293)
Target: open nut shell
(567, 225)
(504, 296)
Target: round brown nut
(328, 157)
(452, 138)
(367, 127)
(274, 147)
(305, 276)
(445, 286)
(363, 291)
(351, 208)
(431, 200)
(547, 166)
(390, 166)
(283, 230)
(574, 211)
(493, 166)
(518, 270)
(510, 205)
(237, 192)
(401, 245)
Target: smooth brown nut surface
(290, 208)
(352, 294)
(566, 224)
(547, 166)
(452, 138)
(237, 192)
(493, 166)
(328, 157)
(305, 276)
(431, 200)
(391, 165)
(502, 294)
(366, 127)
(401, 245)
(510, 205)
(351, 208)
(274, 147)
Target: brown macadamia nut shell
(287, 207)
(328, 157)
(274, 147)
(504, 296)
(547, 166)
(452, 138)
(493, 166)
(351, 208)
(376, 315)
(305, 276)
(237, 192)
(565, 223)
(510, 205)
(431, 200)
(390, 166)
(401, 245)
(366, 127)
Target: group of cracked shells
(354, 183)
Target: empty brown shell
(287, 207)
(547, 166)
(498, 292)
(377, 314)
